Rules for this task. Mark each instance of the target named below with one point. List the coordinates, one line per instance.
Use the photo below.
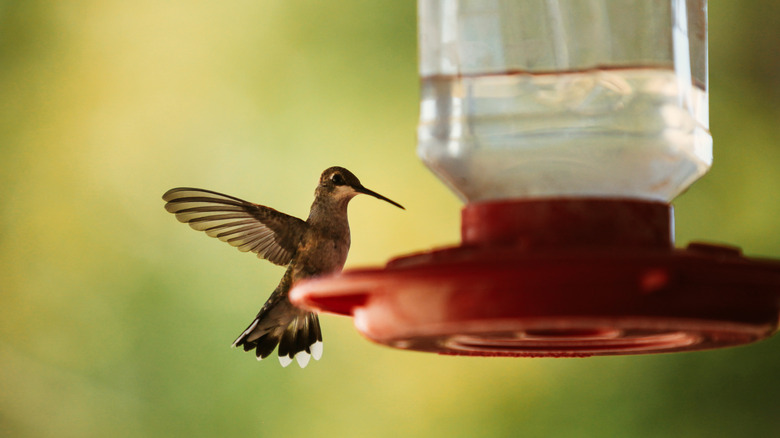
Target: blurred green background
(116, 320)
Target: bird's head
(341, 185)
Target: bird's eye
(337, 179)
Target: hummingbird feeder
(567, 128)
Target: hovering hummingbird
(310, 248)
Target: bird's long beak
(364, 190)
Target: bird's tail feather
(300, 339)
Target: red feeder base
(559, 278)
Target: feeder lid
(559, 278)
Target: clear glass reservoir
(564, 98)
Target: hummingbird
(315, 247)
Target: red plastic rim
(518, 288)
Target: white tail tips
(303, 359)
(285, 361)
(316, 350)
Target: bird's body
(311, 248)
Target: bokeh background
(115, 320)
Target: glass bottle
(564, 98)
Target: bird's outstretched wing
(270, 234)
